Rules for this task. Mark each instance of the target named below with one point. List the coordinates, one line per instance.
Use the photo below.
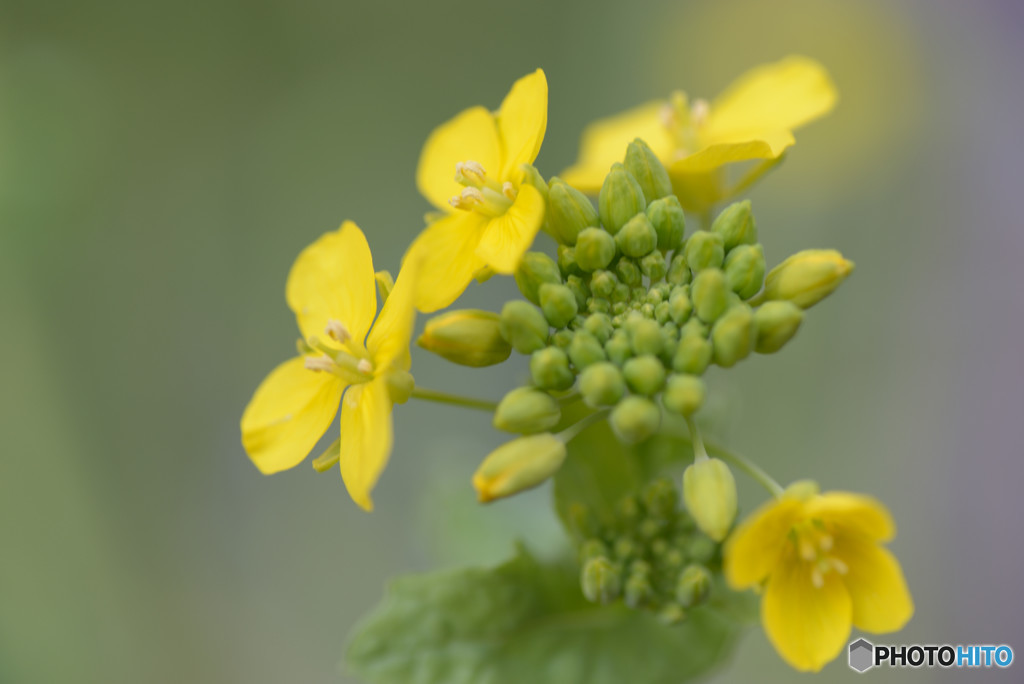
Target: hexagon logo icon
(862, 655)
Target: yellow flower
(471, 169)
(752, 119)
(820, 558)
(331, 289)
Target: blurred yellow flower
(820, 558)
(471, 169)
(752, 119)
(331, 289)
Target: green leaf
(524, 621)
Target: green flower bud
(569, 211)
(684, 394)
(579, 290)
(601, 385)
(628, 272)
(695, 326)
(598, 305)
(645, 335)
(523, 326)
(567, 261)
(744, 270)
(653, 265)
(558, 303)
(736, 225)
(549, 368)
(704, 250)
(661, 498)
(679, 305)
(634, 419)
(618, 349)
(662, 313)
(621, 198)
(518, 465)
(468, 337)
(644, 374)
(585, 350)
(666, 215)
(637, 237)
(807, 277)
(648, 170)
(592, 548)
(531, 176)
(678, 271)
(620, 293)
(536, 269)
(562, 339)
(671, 614)
(400, 385)
(776, 324)
(602, 284)
(733, 336)
(709, 491)
(710, 294)
(625, 548)
(638, 590)
(600, 326)
(595, 249)
(701, 549)
(692, 355)
(693, 586)
(526, 410)
(600, 580)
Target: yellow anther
(700, 111)
(337, 331)
(470, 173)
(319, 363)
(469, 199)
(509, 190)
(365, 366)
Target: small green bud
(620, 293)
(523, 326)
(638, 590)
(526, 410)
(645, 335)
(733, 336)
(600, 580)
(598, 305)
(536, 269)
(601, 384)
(666, 215)
(562, 339)
(585, 350)
(400, 385)
(704, 250)
(549, 368)
(637, 237)
(558, 303)
(648, 170)
(618, 349)
(736, 225)
(661, 498)
(628, 272)
(468, 337)
(662, 313)
(634, 419)
(602, 284)
(679, 305)
(701, 549)
(567, 261)
(710, 294)
(531, 176)
(653, 265)
(654, 296)
(569, 211)
(518, 465)
(592, 548)
(625, 548)
(678, 271)
(684, 394)
(595, 249)
(579, 289)
(621, 198)
(695, 326)
(776, 324)
(744, 270)
(709, 491)
(693, 586)
(385, 284)
(644, 374)
(693, 354)
(671, 614)
(600, 326)
(807, 277)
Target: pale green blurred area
(161, 164)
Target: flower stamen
(470, 173)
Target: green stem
(329, 458)
(454, 399)
(570, 433)
(747, 466)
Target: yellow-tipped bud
(807, 277)
(468, 337)
(518, 465)
(709, 491)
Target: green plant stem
(454, 399)
(570, 433)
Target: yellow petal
(699, 191)
(470, 136)
(881, 600)
(853, 514)
(366, 438)
(604, 143)
(388, 342)
(772, 97)
(288, 414)
(807, 625)
(522, 121)
(768, 144)
(507, 237)
(446, 251)
(333, 278)
(755, 547)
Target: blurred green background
(161, 164)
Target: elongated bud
(709, 491)
(638, 589)
(678, 271)
(648, 170)
(602, 384)
(744, 269)
(569, 211)
(595, 249)
(621, 198)
(526, 410)
(693, 354)
(679, 305)
(653, 266)
(733, 336)
(558, 304)
(634, 419)
(385, 284)
(518, 465)
(693, 586)
(523, 326)
(469, 337)
(549, 368)
(776, 324)
(629, 273)
(585, 350)
(710, 294)
(736, 225)
(666, 215)
(618, 348)
(644, 374)
(684, 394)
(536, 269)
(704, 250)
(637, 237)
(644, 335)
(601, 580)
(807, 277)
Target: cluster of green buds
(651, 556)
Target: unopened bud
(637, 237)
(736, 225)
(579, 290)
(400, 385)
(807, 277)
(710, 292)
(776, 324)
(709, 491)
(648, 170)
(595, 249)
(523, 326)
(602, 384)
(704, 250)
(618, 348)
(693, 354)
(558, 304)
(744, 269)
(666, 215)
(693, 586)
(644, 374)
(468, 337)
(621, 198)
(531, 176)
(653, 266)
(600, 580)
(518, 465)
(562, 339)
(634, 419)
(585, 350)
(661, 498)
(678, 271)
(569, 211)
(549, 368)
(684, 394)
(567, 261)
(679, 305)
(638, 590)
(629, 273)
(733, 336)
(536, 269)
(526, 411)
(600, 326)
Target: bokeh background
(162, 163)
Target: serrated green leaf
(524, 621)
